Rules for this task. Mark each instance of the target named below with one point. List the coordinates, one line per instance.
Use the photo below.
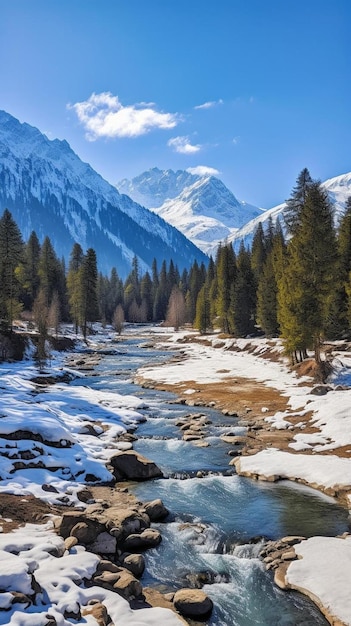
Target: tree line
(294, 281)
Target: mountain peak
(49, 189)
(200, 206)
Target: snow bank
(323, 472)
(323, 572)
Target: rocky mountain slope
(201, 207)
(49, 189)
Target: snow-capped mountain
(50, 190)
(338, 188)
(201, 207)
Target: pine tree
(203, 318)
(258, 252)
(295, 204)
(311, 271)
(338, 319)
(11, 256)
(161, 295)
(225, 277)
(74, 277)
(49, 271)
(30, 276)
(146, 295)
(267, 290)
(243, 296)
(89, 274)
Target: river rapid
(217, 523)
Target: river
(219, 521)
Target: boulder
(135, 564)
(149, 538)
(128, 586)
(70, 520)
(193, 603)
(99, 612)
(156, 510)
(131, 465)
(104, 544)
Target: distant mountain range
(206, 211)
(338, 188)
(201, 207)
(159, 214)
(49, 189)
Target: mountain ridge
(49, 189)
(200, 206)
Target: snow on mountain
(338, 188)
(201, 207)
(50, 190)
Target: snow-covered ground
(47, 450)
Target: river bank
(296, 429)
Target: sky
(250, 90)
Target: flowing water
(218, 522)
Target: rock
(149, 538)
(233, 439)
(193, 603)
(51, 620)
(73, 612)
(133, 466)
(135, 563)
(86, 531)
(156, 510)
(190, 436)
(21, 598)
(99, 612)
(107, 579)
(46, 487)
(104, 544)
(84, 495)
(106, 566)
(128, 586)
(123, 522)
(70, 542)
(321, 390)
(83, 532)
(280, 576)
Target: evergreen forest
(293, 282)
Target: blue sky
(255, 89)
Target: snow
(201, 207)
(55, 420)
(325, 472)
(62, 452)
(323, 568)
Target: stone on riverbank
(131, 465)
(156, 510)
(193, 603)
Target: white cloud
(209, 105)
(183, 145)
(203, 170)
(103, 115)
(236, 140)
